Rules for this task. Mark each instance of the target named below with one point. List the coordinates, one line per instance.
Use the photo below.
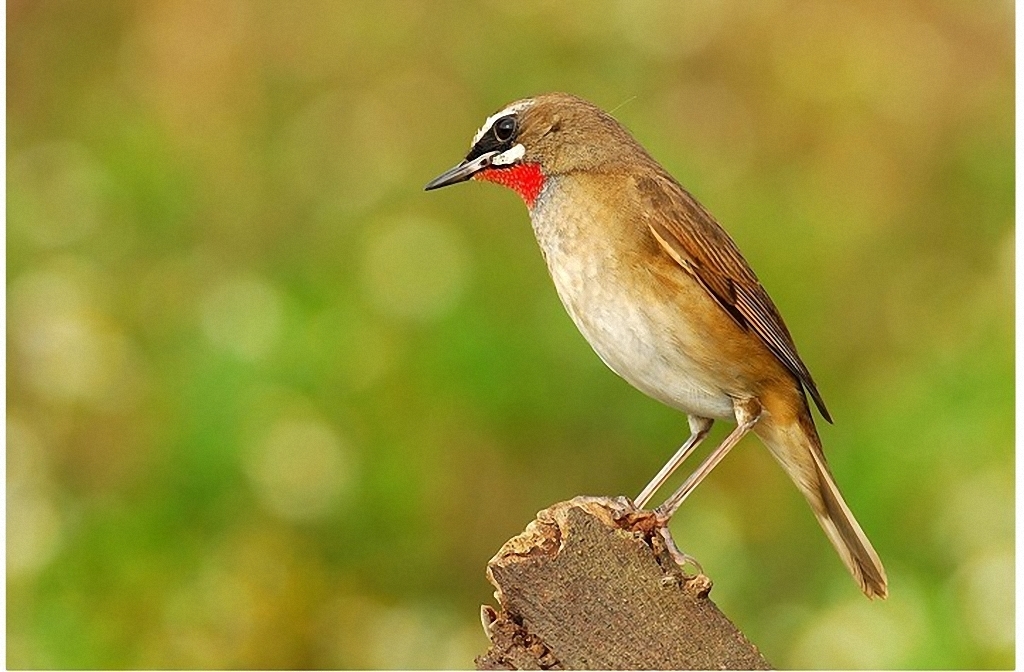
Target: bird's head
(529, 141)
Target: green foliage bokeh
(272, 405)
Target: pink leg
(699, 428)
(748, 412)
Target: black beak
(461, 172)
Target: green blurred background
(272, 405)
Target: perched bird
(663, 295)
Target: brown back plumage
(557, 129)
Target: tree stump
(593, 584)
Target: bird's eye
(504, 129)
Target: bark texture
(593, 584)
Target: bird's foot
(682, 559)
(654, 523)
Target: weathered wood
(591, 584)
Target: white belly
(647, 345)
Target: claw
(682, 559)
(655, 523)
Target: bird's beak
(461, 172)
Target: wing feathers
(692, 237)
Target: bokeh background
(272, 405)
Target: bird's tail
(798, 449)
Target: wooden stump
(591, 584)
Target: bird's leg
(748, 412)
(699, 428)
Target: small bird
(664, 297)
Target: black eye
(505, 128)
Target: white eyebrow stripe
(514, 107)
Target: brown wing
(694, 239)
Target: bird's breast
(604, 280)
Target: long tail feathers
(800, 455)
(847, 536)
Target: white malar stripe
(511, 109)
(509, 156)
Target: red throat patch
(525, 179)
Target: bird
(664, 297)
